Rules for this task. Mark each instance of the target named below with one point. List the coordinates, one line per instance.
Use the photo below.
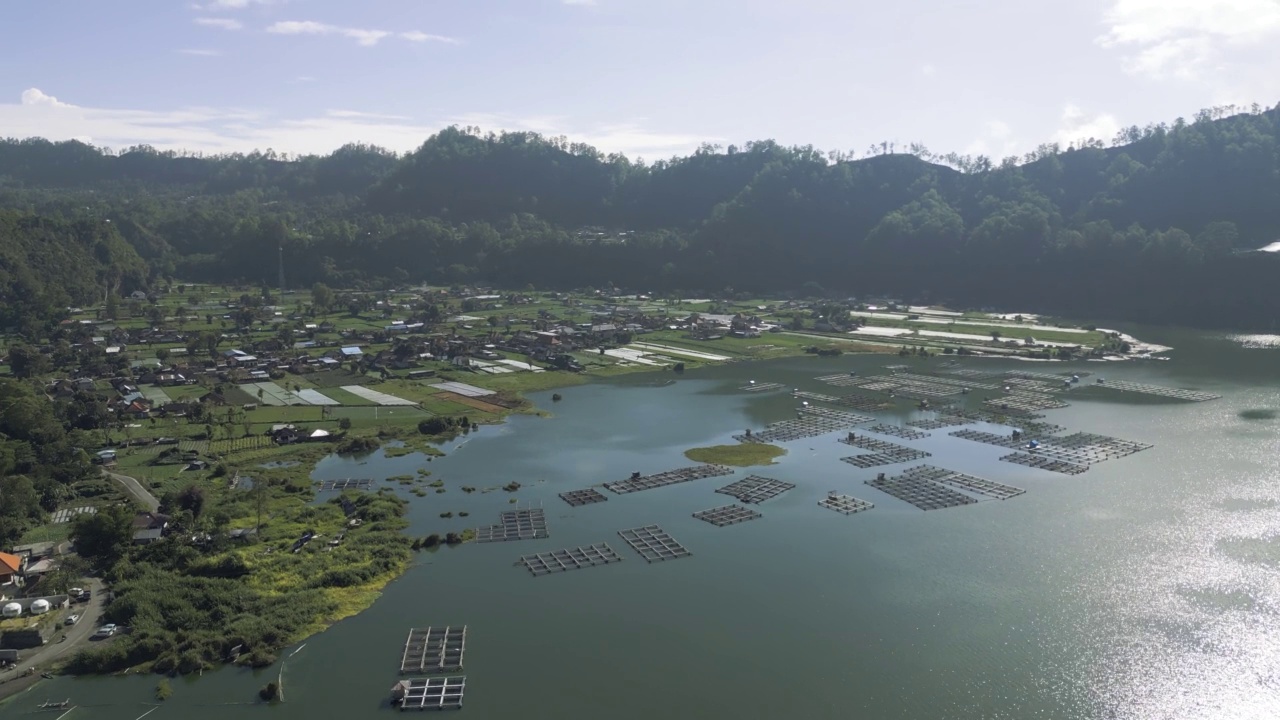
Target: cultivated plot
(463, 389)
(315, 398)
(378, 398)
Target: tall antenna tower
(282, 268)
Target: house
(353, 352)
(150, 521)
(146, 537)
(137, 295)
(10, 569)
(284, 434)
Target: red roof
(9, 564)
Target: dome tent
(11, 610)
(40, 607)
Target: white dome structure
(11, 610)
(40, 607)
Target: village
(204, 386)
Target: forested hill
(1147, 228)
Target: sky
(648, 78)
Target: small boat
(51, 705)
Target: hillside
(1146, 229)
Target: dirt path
(135, 490)
(12, 682)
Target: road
(77, 635)
(135, 490)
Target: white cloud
(578, 2)
(224, 23)
(233, 4)
(419, 36)
(200, 52)
(367, 38)
(1187, 39)
(221, 130)
(1078, 125)
(34, 96)
(996, 141)
(928, 70)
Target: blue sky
(649, 78)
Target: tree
(322, 297)
(162, 354)
(104, 535)
(26, 361)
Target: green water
(1148, 587)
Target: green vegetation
(1149, 220)
(194, 603)
(740, 455)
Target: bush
(163, 690)
(269, 692)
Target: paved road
(77, 635)
(136, 490)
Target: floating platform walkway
(844, 504)
(568, 559)
(1080, 449)
(638, 482)
(514, 525)
(898, 431)
(754, 490)
(728, 515)
(873, 444)
(430, 693)
(1158, 391)
(653, 543)
(589, 496)
(348, 484)
(885, 458)
(434, 650)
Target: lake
(1148, 587)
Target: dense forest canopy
(1148, 227)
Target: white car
(71, 620)
(105, 631)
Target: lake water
(1148, 587)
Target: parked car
(83, 596)
(105, 631)
(71, 620)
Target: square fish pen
(761, 387)
(898, 431)
(653, 543)
(844, 504)
(1041, 462)
(638, 482)
(879, 459)
(981, 486)
(1159, 391)
(852, 402)
(430, 693)
(727, 515)
(348, 484)
(569, 559)
(924, 494)
(434, 650)
(754, 490)
(515, 525)
(583, 497)
(940, 422)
